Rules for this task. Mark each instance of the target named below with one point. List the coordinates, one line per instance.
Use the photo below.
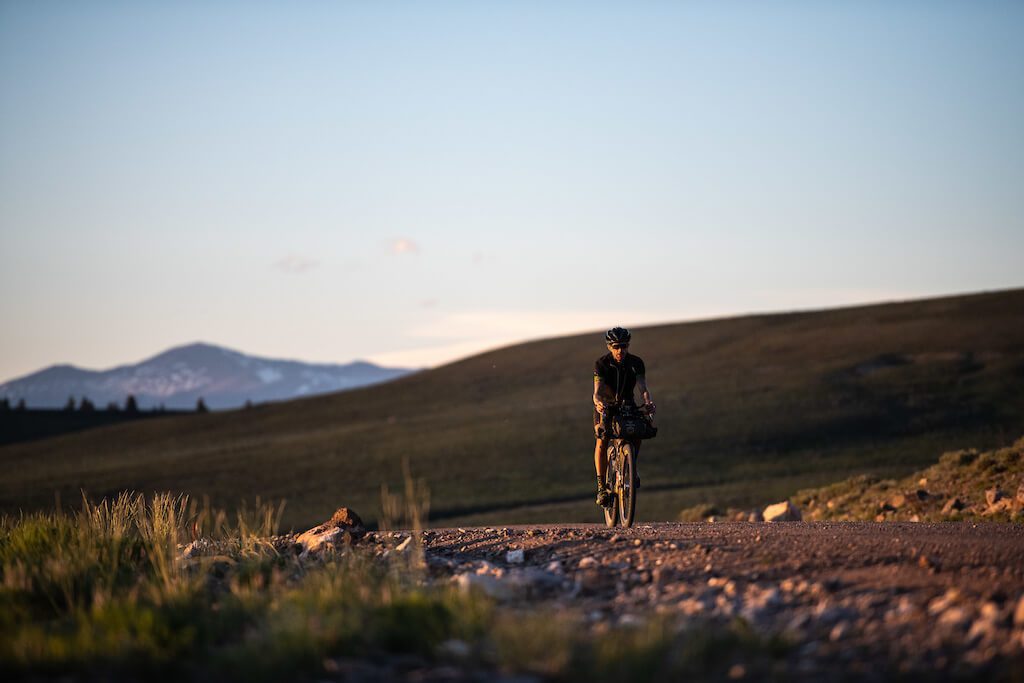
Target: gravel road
(857, 600)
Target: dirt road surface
(866, 601)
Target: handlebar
(625, 407)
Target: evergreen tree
(112, 407)
(70, 405)
(5, 404)
(85, 406)
(130, 406)
(201, 406)
(21, 405)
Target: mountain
(750, 409)
(177, 378)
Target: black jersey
(618, 380)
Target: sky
(412, 182)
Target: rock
(1018, 613)
(515, 556)
(755, 516)
(631, 621)
(782, 512)
(531, 582)
(344, 526)
(944, 602)
(590, 580)
(587, 562)
(839, 631)
(490, 569)
(954, 617)
(197, 548)
(737, 671)
(981, 629)
(554, 567)
(489, 585)
(404, 545)
(691, 607)
(454, 649)
(952, 505)
(994, 495)
(1001, 505)
(898, 501)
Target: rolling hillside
(750, 409)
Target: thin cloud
(404, 246)
(293, 263)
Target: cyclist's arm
(645, 393)
(597, 391)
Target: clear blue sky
(409, 182)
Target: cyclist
(616, 375)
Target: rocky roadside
(847, 600)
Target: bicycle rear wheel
(626, 491)
(611, 510)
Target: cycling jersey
(618, 380)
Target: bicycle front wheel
(611, 510)
(627, 484)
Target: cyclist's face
(618, 353)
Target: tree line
(84, 405)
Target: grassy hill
(750, 409)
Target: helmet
(617, 335)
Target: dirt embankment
(962, 485)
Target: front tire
(626, 491)
(611, 511)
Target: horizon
(512, 343)
(412, 185)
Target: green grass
(750, 409)
(106, 594)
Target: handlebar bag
(632, 427)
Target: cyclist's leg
(600, 459)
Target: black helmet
(617, 335)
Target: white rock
(782, 512)
(515, 556)
(488, 585)
(630, 621)
(404, 545)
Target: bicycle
(621, 478)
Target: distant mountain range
(177, 378)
